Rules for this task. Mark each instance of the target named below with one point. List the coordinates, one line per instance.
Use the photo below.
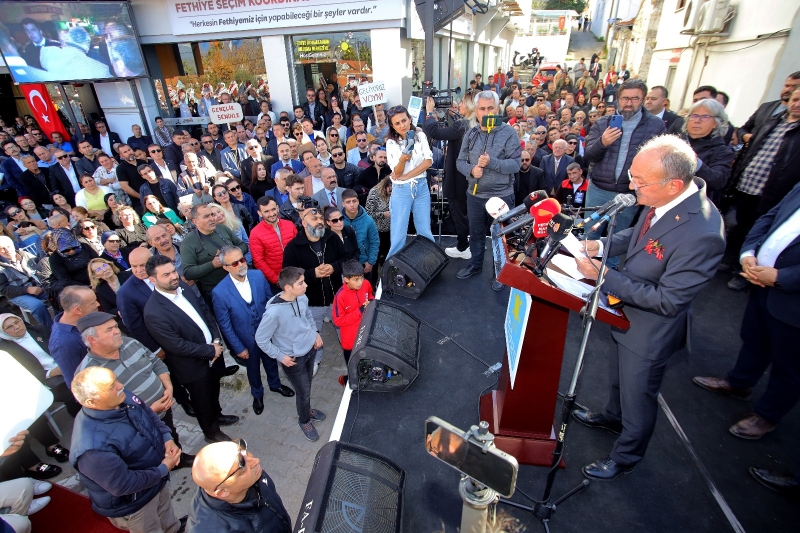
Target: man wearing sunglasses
(234, 493)
(123, 454)
(255, 154)
(239, 301)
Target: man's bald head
(213, 464)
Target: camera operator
(454, 185)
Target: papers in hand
(573, 246)
(576, 288)
(567, 265)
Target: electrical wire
(358, 406)
(440, 332)
(750, 46)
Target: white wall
(390, 64)
(749, 74)
(119, 106)
(602, 11)
(552, 47)
(279, 69)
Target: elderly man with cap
(234, 493)
(123, 454)
(136, 367)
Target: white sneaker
(37, 505)
(40, 487)
(453, 251)
(316, 367)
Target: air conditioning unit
(712, 16)
(691, 16)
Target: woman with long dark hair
(409, 160)
(261, 182)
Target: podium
(521, 418)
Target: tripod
(543, 509)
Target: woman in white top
(322, 151)
(106, 176)
(409, 161)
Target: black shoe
(258, 405)
(283, 391)
(44, 471)
(186, 461)
(219, 436)
(777, 481)
(227, 420)
(231, 370)
(597, 420)
(188, 409)
(738, 283)
(606, 469)
(497, 286)
(467, 272)
(183, 521)
(60, 453)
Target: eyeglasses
(220, 194)
(313, 212)
(240, 261)
(361, 140)
(241, 459)
(336, 220)
(252, 147)
(236, 188)
(701, 118)
(525, 160)
(572, 142)
(65, 156)
(337, 154)
(15, 212)
(394, 110)
(92, 226)
(334, 134)
(630, 99)
(637, 187)
(155, 151)
(100, 268)
(204, 142)
(113, 240)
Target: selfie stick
(476, 498)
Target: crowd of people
(157, 256)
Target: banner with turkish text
(43, 110)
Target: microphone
(409, 142)
(540, 214)
(606, 207)
(527, 203)
(497, 207)
(626, 200)
(557, 230)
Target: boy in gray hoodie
(288, 334)
(490, 159)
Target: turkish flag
(42, 109)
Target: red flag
(42, 109)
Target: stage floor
(667, 492)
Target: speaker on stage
(410, 270)
(385, 357)
(352, 489)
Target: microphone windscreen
(542, 213)
(535, 196)
(496, 207)
(559, 226)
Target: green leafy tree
(576, 5)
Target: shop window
(344, 58)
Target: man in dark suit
(555, 166)
(331, 193)
(88, 163)
(36, 181)
(529, 178)
(255, 153)
(107, 141)
(183, 325)
(239, 303)
(314, 109)
(36, 41)
(672, 253)
(174, 151)
(770, 260)
(655, 102)
(65, 175)
(769, 109)
(278, 136)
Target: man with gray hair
(489, 158)
(672, 253)
(136, 367)
(18, 282)
(123, 454)
(610, 151)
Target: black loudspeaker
(410, 270)
(385, 357)
(352, 489)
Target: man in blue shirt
(66, 345)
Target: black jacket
(298, 253)
(527, 182)
(672, 121)
(603, 159)
(59, 182)
(41, 335)
(174, 154)
(261, 511)
(783, 176)
(757, 119)
(84, 166)
(347, 177)
(39, 188)
(319, 116)
(70, 270)
(112, 136)
(717, 158)
(180, 338)
(246, 169)
(106, 295)
(454, 185)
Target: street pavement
(274, 436)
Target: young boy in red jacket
(348, 307)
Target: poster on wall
(344, 57)
(211, 16)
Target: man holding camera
(489, 157)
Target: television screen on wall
(69, 41)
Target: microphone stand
(544, 509)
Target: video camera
(443, 98)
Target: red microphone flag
(542, 213)
(43, 110)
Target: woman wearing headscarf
(28, 345)
(70, 260)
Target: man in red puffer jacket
(268, 239)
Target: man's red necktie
(648, 219)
